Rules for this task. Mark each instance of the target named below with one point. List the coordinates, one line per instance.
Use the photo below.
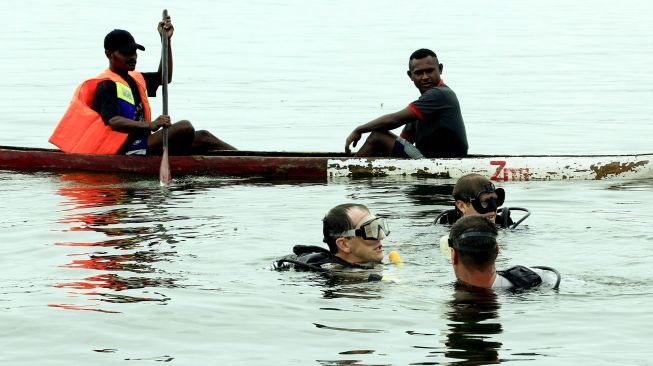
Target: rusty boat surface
(323, 165)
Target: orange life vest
(82, 130)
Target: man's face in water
(468, 209)
(357, 249)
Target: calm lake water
(104, 269)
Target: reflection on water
(356, 330)
(470, 334)
(135, 262)
(430, 194)
(472, 321)
(346, 288)
(95, 201)
(633, 185)
(120, 242)
(355, 286)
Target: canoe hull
(228, 165)
(285, 165)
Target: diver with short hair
(354, 237)
(474, 250)
(475, 194)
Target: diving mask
(374, 229)
(490, 203)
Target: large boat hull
(504, 168)
(289, 165)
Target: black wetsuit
(451, 216)
(312, 258)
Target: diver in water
(475, 194)
(474, 250)
(354, 237)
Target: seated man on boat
(354, 237)
(110, 114)
(433, 124)
(474, 250)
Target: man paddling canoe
(433, 123)
(110, 113)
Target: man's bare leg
(205, 141)
(378, 144)
(180, 139)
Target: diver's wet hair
(474, 239)
(469, 185)
(337, 221)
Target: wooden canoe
(311, 165)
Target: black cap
(122, 41)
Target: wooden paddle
(164, 172)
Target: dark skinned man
(433, 123)
(110, 114)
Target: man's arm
(384, 123)
(106, 105)
(154, 79)
(126, 125)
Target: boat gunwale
(320, 154)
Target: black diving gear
(523, 278)
(494, 198)
(318, 259)
(308, 257)
(489, 204)
(520, 278)
(503, 219)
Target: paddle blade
(164, 172)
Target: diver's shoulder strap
(448, 217)
(307, 258)
(305, 249)
(503, 218)
(310, 261)
(556, 285)
(521, 277)
(314, 260)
